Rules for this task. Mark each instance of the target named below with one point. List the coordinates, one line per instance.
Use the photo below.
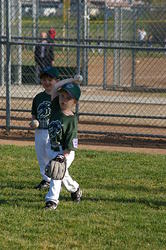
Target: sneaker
(76, 196)
(43, 184)
(50, 205)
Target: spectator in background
(149, 42)
(165, 45)
(51, 34)
(142, 35)
(44, 55)
(99, 43)
(90, 43)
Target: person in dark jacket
(44, 55)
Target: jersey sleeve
(54, 107)
(55, 104)
(71, 139)
(34, 108)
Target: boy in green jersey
(41, 111)
(62, 131)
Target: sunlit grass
(123, 205)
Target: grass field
(123, 206)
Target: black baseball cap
(72, 89)
(50, 71)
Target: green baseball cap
(72, 89)
(50, 71)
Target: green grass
(123, 206)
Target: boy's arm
(66, 152)
(33, 112)
(77, 79)
(59, 85)
(71, 139)
(33, 123)
(33, 117)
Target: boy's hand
(78, 78)
(34, 124)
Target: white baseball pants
(42, 144)
(68, 182)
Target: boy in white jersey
(63, 139)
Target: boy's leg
(68, 182)
(55, 185)
(54, 191)
(41, 140)
(71, 185)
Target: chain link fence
(120, 49)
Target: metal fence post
(19, 46)
(105, 50)
(35, 13)
(120, 38)
(17, 31)
(78, 43)
(78, 35)
(2, 59)
(85, 50)
(116, 51)
(8, 63)
(67, 33)
(133, 50)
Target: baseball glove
(56, 168)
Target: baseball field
(123, 205)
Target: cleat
(43, 184)
(76, 196)
(50, 205)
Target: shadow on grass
(135, 187)
(140, 188)
(37, 197)
(3, 202)
(28, 202)
(18, 185)
(150, 203)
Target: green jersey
(41, 108)
(63, 130)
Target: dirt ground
(112, 144)
(94, 147)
